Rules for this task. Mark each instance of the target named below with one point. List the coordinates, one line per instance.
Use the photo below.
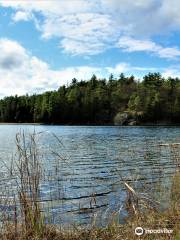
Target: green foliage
(99, 101)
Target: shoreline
(95, 125)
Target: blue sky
(44, 44)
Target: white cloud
(21, 16)
(12, 54)
(80, 29)
(128, 69)
(88, 33)
(169, 52)
(119, 68)
(133, 45)
(172, 71)
(89, 27)
(145, 17)
(49, 7)
(21, 72)
(129, 44)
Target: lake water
(94, 162)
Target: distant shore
(113, 125)
(9, 123)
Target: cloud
(145, 18)
(12, 54)
(80, 29)
(133, 45)
(21, 72)
(119, 68)
(90, 27)
(129, 44)
(169, 52)
(21, 16)
(172, 71)
(124, 67)
(51, 8)
(82, 33)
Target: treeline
(124, 100)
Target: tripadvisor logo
(140, 231)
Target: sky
(46, 43)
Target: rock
(132, 123)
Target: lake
(86, 167)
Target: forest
(120, 101)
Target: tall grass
(27, 172)
(27, 221)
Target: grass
(27, 222)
